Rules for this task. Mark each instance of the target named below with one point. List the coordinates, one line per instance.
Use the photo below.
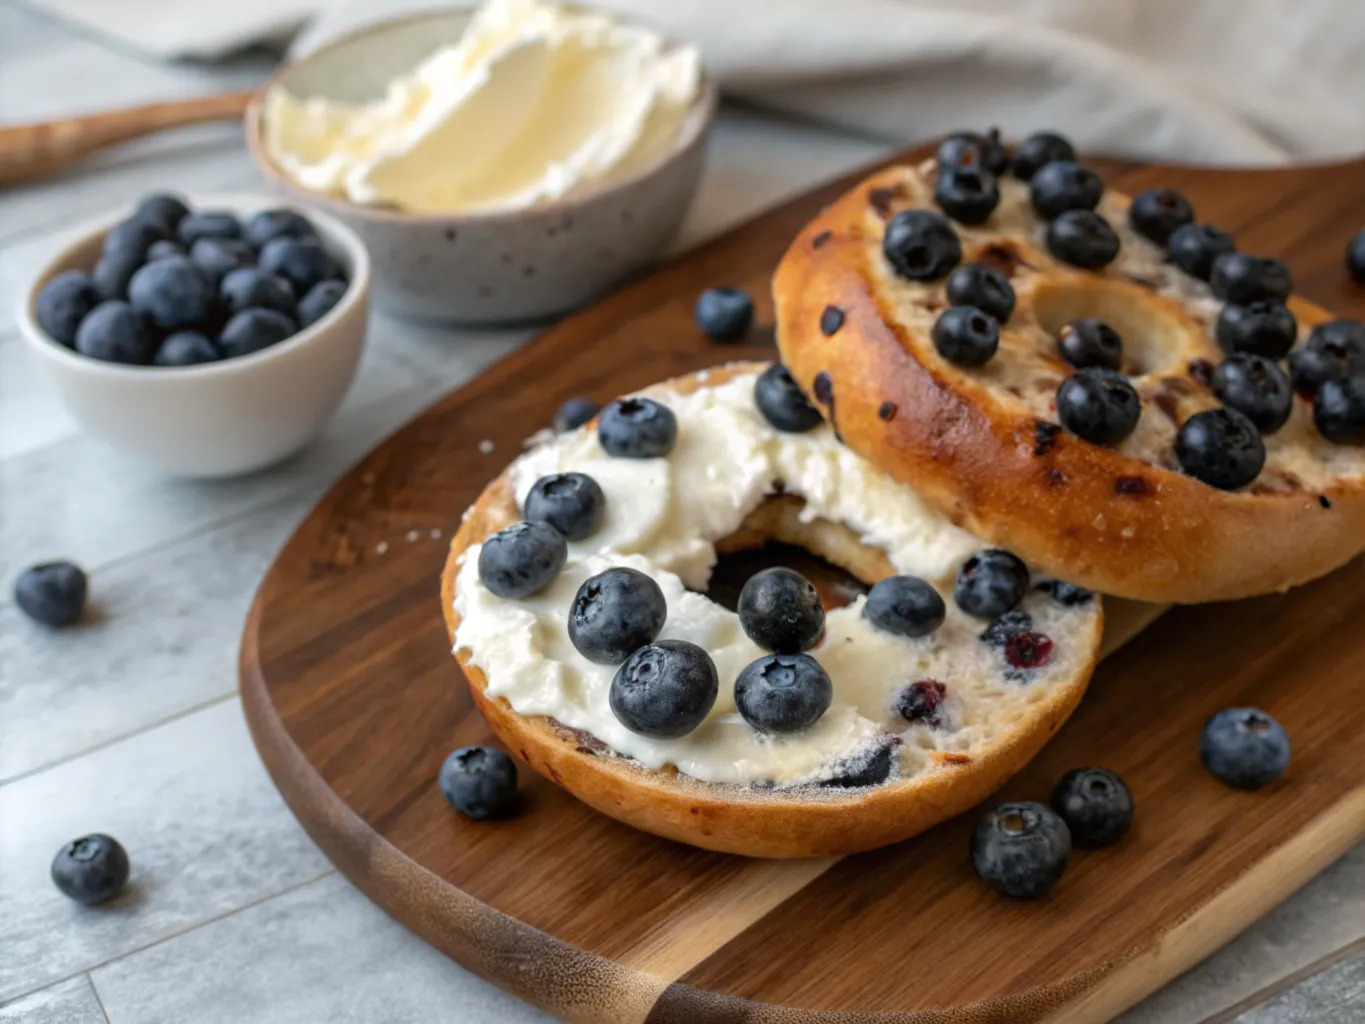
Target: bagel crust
(983, 445)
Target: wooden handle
(29, 151)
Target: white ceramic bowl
(214, 419)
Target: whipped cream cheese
(533, 103)
(663, 517)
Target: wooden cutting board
(354, 700)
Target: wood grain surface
(354, 699)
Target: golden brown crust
(735, 819)
(1087, 514)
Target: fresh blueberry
(218, 257)
(479, 782)
(1257, 388)
(302, 260)
(614, 614)
(1090, 342)
(172, 293)
(1066, 594)
(1339, 410)
(1194, 247)
(971, 149)
(637, 428)
(92, 869)
(969, 194)
(1096, 806)
(1038, 149)
(1098, 405)
(64, 302)
(905, 606)
(1082, 238)
(248, 287)
(921, 245)
(320, 300)
(1241, 278)
(269, 224)
(208, 224)
(254, 329)
(783, 692)
(1355, 257)
(133, 237)
(1012, 623)
(922, 702)
(115, 333)
(165, 208)
(724, 314)
(52, 593)
(982, 286)
(664, 690)
(1021, 850)
(1263, 328)
(1063, 185)
(113, 271)
(164, 249)
(990, 583)
(572, 503)
(1245, 748)
(966, 336)
(573, 414)
(186, 348)
(1158, 212)
(1221, 448)
(1334, 351)
(782, 402)
(522, 559)
(780, 610)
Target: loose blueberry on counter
(218, 257)
(1264, 328)
(782, 402)
(971, 149)
(1098, 405)
(52, 593)
(186, 348)
(320, 300)
(614, 614)
(990, 583)
(1066, 594)
(1221, 448)
(1194, 247)
(479, 782)
(982, 286)
(248, 287)
(921, 245)
(1064, 185)
(1159, 212)
(724, 314)
(522, 559)
(922, 702)
(1245, 748)
(208, 224)
(1241, 278)
(1334, 351)
(1096, 805)
(966, 336)
(254, 329)
(163, 208)
(572, 503)
(172, 293)
(637, 428)
(64, 302)
(90, 870)
(115, 332)
(302, 260)
(905, 606)
(1021, 849)
(665, 690)
(1339, 410)
(967, 194)
(1355, 257)
(1089, 342)
(1257, 388)
(1039, 149)
(133, 237)
(270, 224)
(780, 610)
(783, 692)
(1082, 238)
(113, 271)
(569, 416)
(164, 249)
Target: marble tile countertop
(130, 724)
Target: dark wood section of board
(354, 700)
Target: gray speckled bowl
(489, 267)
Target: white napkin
(1221, 81)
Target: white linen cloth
(1206, 81)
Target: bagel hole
(1155, 332)
(836, 587)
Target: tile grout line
(98, 999)
(1287, 982)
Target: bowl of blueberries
(209, 337)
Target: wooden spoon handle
(29, 151)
